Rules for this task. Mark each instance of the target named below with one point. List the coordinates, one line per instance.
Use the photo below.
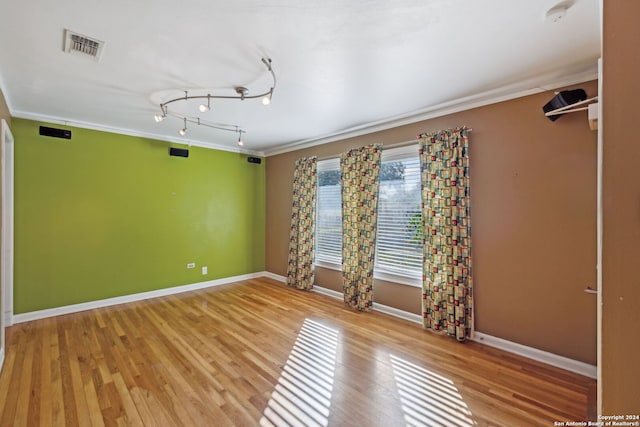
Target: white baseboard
(411, 317)
(57, 311)
(274, 276)
(502, 344)
(392, 311)
(328, 292)
(538, 355)
(2, 358)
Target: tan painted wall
(621, 200)
(533, 218)
(4, 109)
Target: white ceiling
(341, 66)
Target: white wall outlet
(191, 265)
(205, 270)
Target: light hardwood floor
(259, 353)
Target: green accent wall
(105, 215)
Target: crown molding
(123, 131)
(527, 87)
(504, 93)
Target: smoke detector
(558, 12)
(82, 45)
(555, 14)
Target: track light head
(205, 107)
(266, 100)
(183, 131)
(240, 141)
(159, 117)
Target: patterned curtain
(446, 281)
(360, 176)
(300, 271)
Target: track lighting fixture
(242, 93)
(183, 131)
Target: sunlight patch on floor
(302, 396)
(429, 399)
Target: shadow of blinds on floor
(302, 396)
(429, 399)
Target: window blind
(399, 244)
(329, 213)
(399, 234)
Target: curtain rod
(384, 147)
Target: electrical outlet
(204, 270)
(191, 265)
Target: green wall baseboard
(58, 311)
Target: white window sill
(380, 275)
(398, 278)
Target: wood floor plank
(46, 384)
(76, 380)
(14, 365)
(259, 353)
(132, 412)
(55, 393)
(24, 387)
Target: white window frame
(334, 263)
(379, 272)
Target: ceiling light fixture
(242, 93)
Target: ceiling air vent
(82, 45)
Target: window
(399, 240)
(399, 244)
(329, 213)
